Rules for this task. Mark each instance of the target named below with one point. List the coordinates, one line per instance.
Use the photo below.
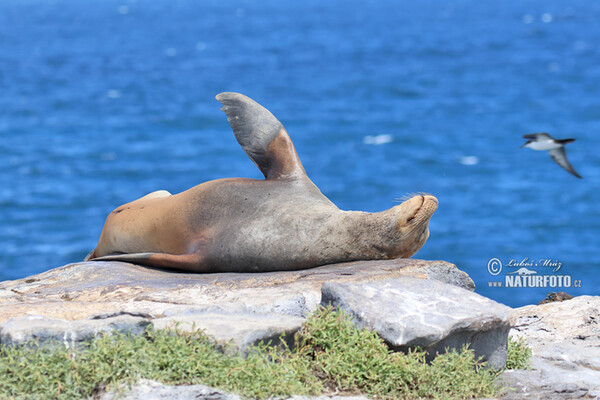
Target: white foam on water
(378, 139)
(469, 160)
(113, 94)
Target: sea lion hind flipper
(185, 262)
(262, 136)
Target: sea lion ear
(261, 135)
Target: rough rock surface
(412, 312)
(239, 330)
(78, 301)
(42, 330)
(82, 292)
(148, 389)
(565, 342)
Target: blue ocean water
(102, 102)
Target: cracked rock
(412, 312)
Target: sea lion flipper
(262, 136)
(186, 262)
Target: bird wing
(560, 156)
(537, 136)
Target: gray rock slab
(43, 330)
(565, 341)
(328, 398)
(147, 389)
(239, 330)
(543, 385)
(411, 312)
(78, 291)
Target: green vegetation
(330, 354)
(347, 358)
(518, 354)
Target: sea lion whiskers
(409, 196)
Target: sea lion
(241, 225)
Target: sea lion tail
(185, 262)
(262, 136)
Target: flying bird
(554, 147)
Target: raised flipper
(261, 136)
(185, 262)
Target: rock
(539, 385)
(243, 330)
(409, 302)
(565, 341)
(335, 397)
(147, 389)
(78, 292)
(44, 330)
(411, 312)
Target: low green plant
(518, 354)
(330, 355)
(181, 358)
(350, 358)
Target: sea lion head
(412, 224)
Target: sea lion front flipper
(262, 136)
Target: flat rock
(81, 290)
(43, 330)
(148, 389)
(411, 312)
(240, 307)
(565, 341)
(334, 397)
(241, 330)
